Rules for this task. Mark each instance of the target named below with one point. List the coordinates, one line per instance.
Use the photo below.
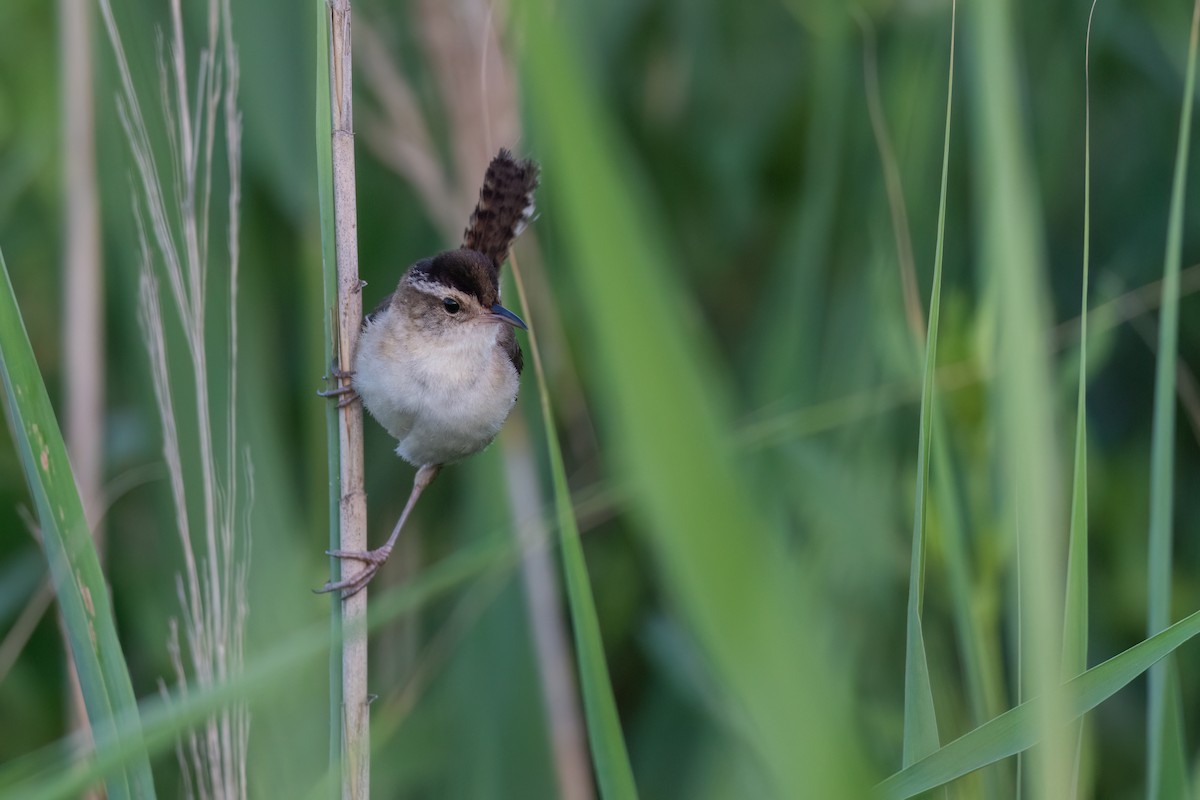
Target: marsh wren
(437, 362)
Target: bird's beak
(502, 314)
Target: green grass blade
(1162, 743)
(609, 755)
(920, 720)
(74, 567)
(1013, 264)
(1020, 728)
(982, 672)
(1075, 609)
(1075, 615)
(324, 132)
(734, 585)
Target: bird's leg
(347, 393)
(373, 559)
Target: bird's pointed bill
(502, 314)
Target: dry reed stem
(83, 285)
(356, 743)
(568, 741)
(83, 328)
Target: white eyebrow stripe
(438, 290)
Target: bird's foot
(372, 561)
(346, 393)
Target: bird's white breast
(443, 397)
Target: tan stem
(83, 331)
(353, 510)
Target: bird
(437, 363)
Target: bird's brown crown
(469, 271)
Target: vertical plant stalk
(1075, 610)
(610, 757)
(83, 334)
(352, 502)
(83, 286)
(920, 721)
(551, 648)
(1163, 735)
(1012, 260)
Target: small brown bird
(438, 362)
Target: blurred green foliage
(741, 133)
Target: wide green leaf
(610, 756)
(735, 586)
(74, 567)
(1012, 264)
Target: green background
(740, 136)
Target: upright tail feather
(505, 206)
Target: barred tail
(505, 206)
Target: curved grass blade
(609, 754)
(1163, 743)
(74, 567)
(1021, 728)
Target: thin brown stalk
(18, 635)
(83, 276)
(543, 606)
(83, 329)
(356, 743)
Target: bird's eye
(451, 305)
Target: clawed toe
(350, 586)
(372, 561)
(347, 392)
(375, 557)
